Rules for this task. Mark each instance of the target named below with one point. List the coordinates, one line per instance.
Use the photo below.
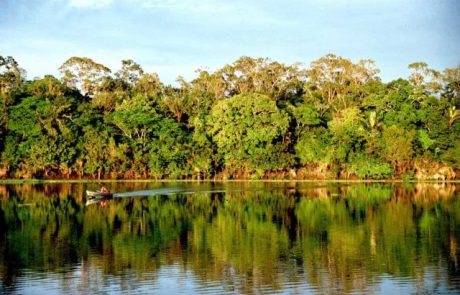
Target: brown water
(230, 238)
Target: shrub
(370, 168)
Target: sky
(177, 37)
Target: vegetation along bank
(254, 118)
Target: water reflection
(237, 237)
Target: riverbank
(87, 180)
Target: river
(234, 237)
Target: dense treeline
(254, 118)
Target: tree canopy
(253, 118)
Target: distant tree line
(254, 118)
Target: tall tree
(337, 80)
(11, 75)
(11, 80)
(130, 72)
(83, 73)
(424, 79)
(451, 90)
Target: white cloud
(90, 3)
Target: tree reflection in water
(332, 238)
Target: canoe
(98, 194)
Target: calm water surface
(230, 238)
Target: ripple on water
(194, 244)
(178, 279)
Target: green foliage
(396, 145)
(306, 116)
(372, 168)
(314, 147)
(348, 133)
(136, 118)
(48, 153)
(169, 151)
(252, 118)
(83, 73)
(95, 152)
(408, 175)
(249, 130)
(425, 140)
(452, 155)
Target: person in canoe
(104, 190)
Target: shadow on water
(231, 238)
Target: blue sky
(176, 37)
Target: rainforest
(252, 119)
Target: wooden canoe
(98, 194)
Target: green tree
(109, 93)
(11, 75)
(11, 81)
(169, 150)
(306, 116)
(451, 89)
(177, 101)
(424, 79)
(130, 72)
(348, 134)
(315, 146)
(250, 132)
(253, 117)
(397, 147)
(83, 73)
(337, 81)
